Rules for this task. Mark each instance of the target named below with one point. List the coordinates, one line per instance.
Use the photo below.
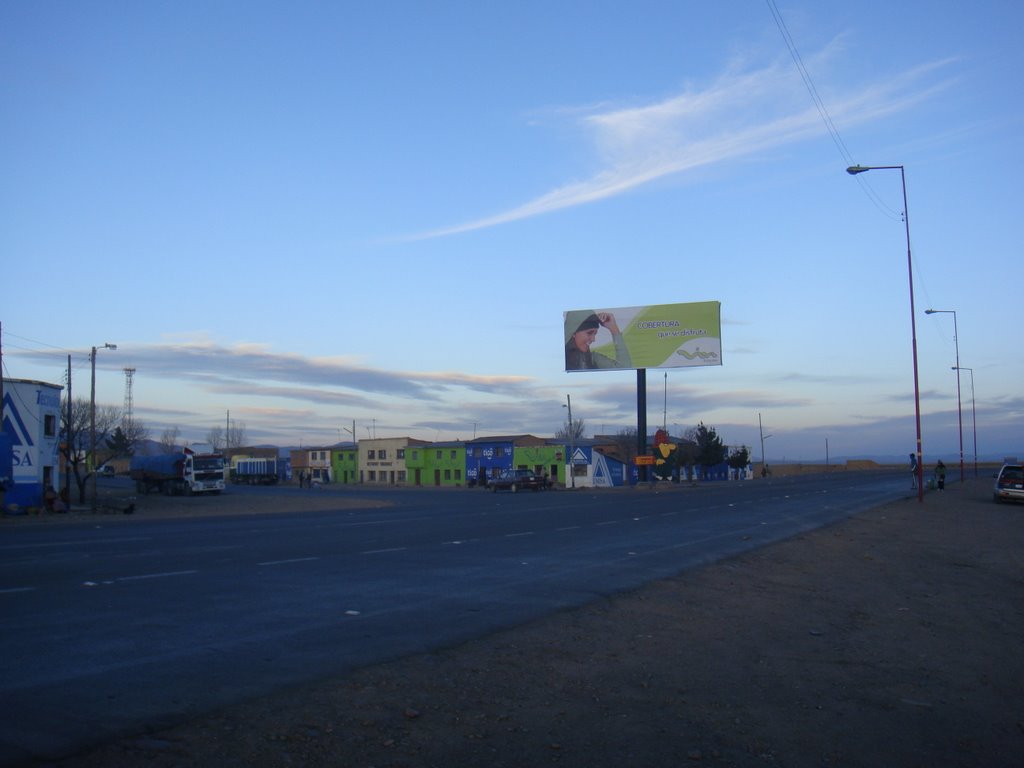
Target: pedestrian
(913, 472)
(940, 475)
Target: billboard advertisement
(655, 336)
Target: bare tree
(236, 435)
(215, 437)
(76, 434)
(135, 432)
(625, 444)
(571, 432)
(169, 439)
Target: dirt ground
(890, 639)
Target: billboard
(655, 336)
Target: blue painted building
(31, 426)
(488, 457)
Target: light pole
(853, 170)
(92, 422)
(572, 441)
(959, 408)
(974, 418)
(764, 466)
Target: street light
(572, 441)
(92, 422)
(853, 170)
(959, 409)
(764, 466)
(974, 418)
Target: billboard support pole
(641, 418)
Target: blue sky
(316, 213)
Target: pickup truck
(514, 479)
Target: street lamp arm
(853, 170)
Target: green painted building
(345, 464)
(441, 465)
(546, 459)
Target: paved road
(112, 630)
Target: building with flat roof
(31, 428)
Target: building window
(447, 474)
(438, 456)
(453, 454)
(371, 454)
(400, 453)
(372, 475)
(458, 474)
(415, 455)
(469, 452)
(49, 425)
(401, 476)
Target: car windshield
(1012, 474)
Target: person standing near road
(913, 472)
(940, 475)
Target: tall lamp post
(764, 465)
(959, 408)
(974, 418)
(572, 441)
(853, 170)
(92, 423)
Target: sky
(321, 217)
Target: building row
(407, 461)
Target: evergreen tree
(120, 444)
(710, 448)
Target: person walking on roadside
(940, 475)
(913, 472)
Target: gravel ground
(890, 639)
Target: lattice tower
(128, 401)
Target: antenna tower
(128, 401)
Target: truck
(199, 469)
(255, 471)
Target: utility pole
(67, 443)
(764, 466)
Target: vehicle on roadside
(199, 469)
(255, 472)
(1009, 483)
(517, 479)
(106, 471)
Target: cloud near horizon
(254, 370)
(739, 114)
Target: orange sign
(641, 461)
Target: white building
(31, 432)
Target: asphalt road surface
(110, 630)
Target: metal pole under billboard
(641, 418)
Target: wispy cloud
(740, 114)
(252, 369)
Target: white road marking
(291, 560)
(155, 575)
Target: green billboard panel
(655, 336)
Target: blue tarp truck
(192, 470)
